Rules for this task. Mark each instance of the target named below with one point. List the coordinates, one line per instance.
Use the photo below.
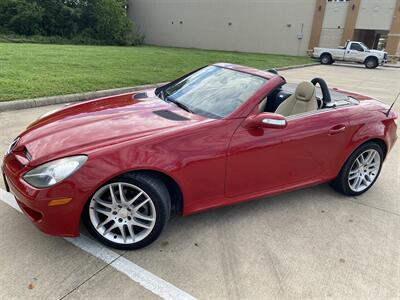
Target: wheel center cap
(123, 213)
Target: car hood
(377, 52)
(79, 128)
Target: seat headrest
(305, 91)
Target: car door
(261, 160)
(355, 52)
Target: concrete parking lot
(309, 244)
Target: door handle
(337, 129)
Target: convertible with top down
(219, 135)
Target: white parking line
(149, 281)
(9, 199)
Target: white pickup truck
(353, 52)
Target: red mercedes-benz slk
(217, 136)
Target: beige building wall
(269, 26)
(393, 43)
(333, 24)
(272, 26)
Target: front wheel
(360, 171)
(371, 63)
(129, 212)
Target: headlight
(55, 171)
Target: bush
(73, 21)
(107, 20)
(7, 37)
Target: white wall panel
(375, 15)
(271, 26)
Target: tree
(107, 20)
(20, 16)
(59, 18)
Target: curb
(298, 66)
(44, 101)
(391, 66)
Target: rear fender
(383, 131)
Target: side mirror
(266, 120)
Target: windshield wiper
(179, 104)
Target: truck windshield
(213, 91)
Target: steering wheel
(326, 95)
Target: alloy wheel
(122, 213)
(364, 170)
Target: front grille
(27, 154)
(385, 56)
(12, 146)
(18, 159)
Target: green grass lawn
(36, 70)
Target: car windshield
(213, 91)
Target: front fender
(372, 56)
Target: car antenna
(391, 106)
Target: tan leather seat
(303, 100)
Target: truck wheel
(371, 63)
(326, 59)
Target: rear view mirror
(266, 120)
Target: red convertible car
(220, 135)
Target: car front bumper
(60, 220)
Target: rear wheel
(360, 171)
(326, 59)
(129, 212)
(371, 63)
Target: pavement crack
(93, 275)
(227, 259)
(277, 275)
(374, 207)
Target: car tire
(326, 59)
(371, 63)
(358, 175)
(130, 225)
